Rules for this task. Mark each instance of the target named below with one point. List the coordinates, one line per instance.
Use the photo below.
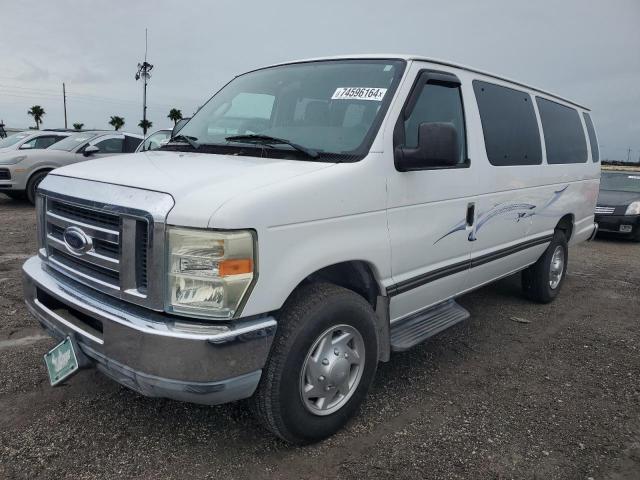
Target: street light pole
(64, 100)
(143, 72)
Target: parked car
(310, 219)
(155, 140)
(21, 174)
(31, 140)
(618, 209)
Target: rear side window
(595, 153)
(563, 133)
(509, 124)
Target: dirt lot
(518, 391)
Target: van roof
(440, 62)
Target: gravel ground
(517, 391)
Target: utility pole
(628, 155)
(64, 100)
(143, 72)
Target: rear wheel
(541, 282)
(32, 185)
(321, 365)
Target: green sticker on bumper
(61, 361)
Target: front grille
(86, 215)
(605, 210)
(4, 174)
(114, 256)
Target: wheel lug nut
(325, 361)
(328, 387)
(336, 351)
(346, 355)
(321, 378)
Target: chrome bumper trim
(150, 352)
(594, 233)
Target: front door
(431, 212)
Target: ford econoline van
(311, 219)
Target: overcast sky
(588, 51)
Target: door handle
(471, 213)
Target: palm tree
(145, 125)
(116, 122)
(37, 112)
(175, 115)
(78, 126)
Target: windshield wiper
(190, 140)
(268, 140)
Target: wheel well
(354, 275)
(566, 225)
(40, 170)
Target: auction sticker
(359, 93)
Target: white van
(310, 219)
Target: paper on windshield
(359, 93)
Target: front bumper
(12, 178)
(613, 223)
(152, 353)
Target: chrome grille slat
(89, 257)
(57, 260)
(605, 210)
(111, 236)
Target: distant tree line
(117, 122)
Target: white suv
(310, 219)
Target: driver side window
(437, 103)
(110, 145)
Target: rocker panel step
(415, 329)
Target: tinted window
(563, 133)
(131, 143)
(110, 145)
(437, 103)
(47, 141)
(595, 153)
(509, 125)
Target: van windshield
(331, 107)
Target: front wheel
(541, 282)
(321, 365)
(32, 185)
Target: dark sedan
(618, 209)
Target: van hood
(199, 183)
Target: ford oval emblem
(76, 241)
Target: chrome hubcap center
(332, 370)
(556, 269)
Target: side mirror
(90, 150)
(437, 147)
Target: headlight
(209, 272)
(12, 160)
(633, 209)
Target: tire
(311, 312)
(538, 283)
(32, 185)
